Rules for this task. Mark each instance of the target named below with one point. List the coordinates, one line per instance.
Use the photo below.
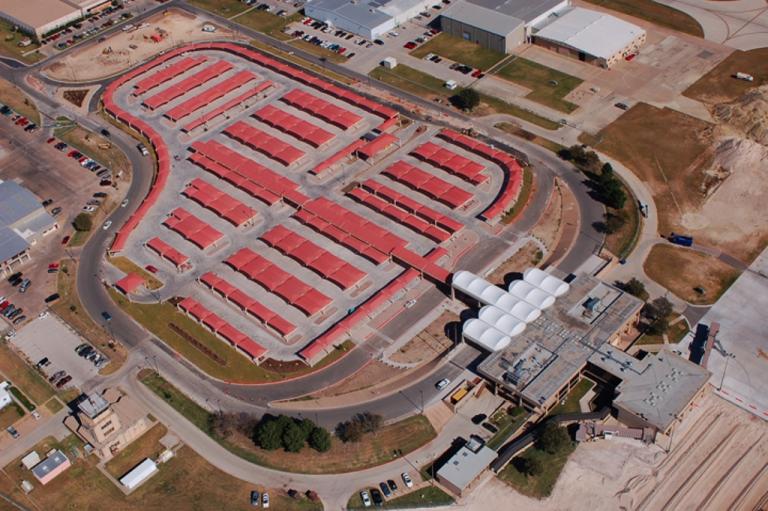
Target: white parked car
(410, 303)
(407, 479)
(365, 498)
(124, 203)
(89, 209)
(107, 224)
(265, 500)
(442, 383)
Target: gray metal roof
(464, 466)
(662, 390)
(49, 464)
(93, 405)
(525, 10)
(16, 202)
(11, 244)
(483, 18)
(362, 13)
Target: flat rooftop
(524, 10)
(546, 355)
(468, 463)
(367, 13)
(663, 389)
(37, 13)
(498, 17)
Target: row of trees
(291, 434)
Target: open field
(69, 308)
(23, 376)
(185, 482)
(720, 85)
(541, 485)
(267, 22)
(548, 86)
(421, 84)
(9, 44)
(428, 496)
(18, 101)
(713, 192)
(655, 13)
(571, 404)
(224, 8)
(158, 317)
(531, 137)
(459, 50)
(373, 449)
(10, 414)
(92, 63)
(146, 446)
(127, 266)
(681, 270)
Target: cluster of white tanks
(505, 314)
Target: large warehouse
(500, 25)
(591, 36)
(366, 18)
(40, 17)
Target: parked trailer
(679, 239)
(746, 77)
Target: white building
(139, 474)
(590, 36)
(5, 396)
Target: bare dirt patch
(721, 84)
(681, 270)
(428, 344)
(117, 53)
(75, 96)
(549, 226)
(372, 374)
(706, 179)
(528, 255)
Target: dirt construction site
(128, 48)
(718, 460)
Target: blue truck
(680, 239)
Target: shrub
(320, 439)
(83, 222)
(552, 438)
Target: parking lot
(49, 337)
(49, 173)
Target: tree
(307, 426)
(369, 422)
(83, 222)
(552, 438)
(633, 287)
(269, 434)
(613, 222)
(466, 99)
(320, 439)
(531, 466)
(349, 431)
(293, 437)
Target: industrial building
(500, 25)
(108, 422)
(23, 221)
(41, 17)
(590, 36)
(464, 467)
(366, 18)
(536, 366)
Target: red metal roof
(130, 283)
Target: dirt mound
(732, 155)
(748, 115)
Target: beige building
(108, 421)
(40, 17)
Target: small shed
(30, 460)
(129, 283)
(389, 62)
(139, 474)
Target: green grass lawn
(459, 50)
(539, 486)
(428, 496)
(224, 8)
(268, 23)
(427, 86)
(572, 399)
(675, 334)
(9, 44)
(158, 317)
(193, 412)
(23, 376)
(548, 86)
(21, 398)
(146, 446)
(507, 423)
(655, 13)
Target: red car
(4, 305)
(51, 140)
(65, 240)
(409, 45)
(150, 268)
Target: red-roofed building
(129, 283)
